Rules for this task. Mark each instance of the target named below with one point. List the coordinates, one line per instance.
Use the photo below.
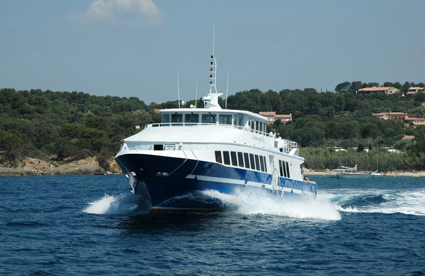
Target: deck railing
(288, 145)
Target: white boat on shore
(377, 174)
(349, 172)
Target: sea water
(93, 225)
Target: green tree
(342, 87)
(354, 86)
(405, 87)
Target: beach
(308, 172)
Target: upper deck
(207, 126)
(194, 116)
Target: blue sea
(93, 225)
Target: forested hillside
(73, 125)
(58, 125)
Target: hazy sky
(135, 47)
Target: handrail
(180, 124)
(288, 145)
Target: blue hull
(175, 182)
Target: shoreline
(387, 174)
(34, 166)
(16, 172)
(95, 170)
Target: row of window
(284, 168)
(194, 118)
(211, 118)
(242, 159)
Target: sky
(134, 48)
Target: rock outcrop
(33, 166)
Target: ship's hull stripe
(240, 182)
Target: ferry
(194, 150)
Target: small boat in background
(377, 174)
(351, 172)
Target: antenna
(211, 100)
(227, 89)
(178, 88)
(213, 67)
(213, 37)
(196, 96)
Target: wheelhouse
(191, 117)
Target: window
(234, 160)
(176, 118)
(226, 157)
(158, 147)
(287, 169)
(262, 163)
(240, 157)
(225, 119)
(191, 118)
(282, 168)
(251, 159)
(257, 163)
(165, 118)
(208, 118)
(265, 164)
(246, 160)
(218, 156)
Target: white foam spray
(246, 202)
(411, 202)
(407, 202)
(122, 204)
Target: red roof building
(415, 90)
(377, 90)
(391, 115)
(272, 117)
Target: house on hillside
(377, 90)
(394, 151)
(408, 137)
(398, 116)
(272, 117)
(415, 90)
(415, 121)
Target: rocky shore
(33, 166)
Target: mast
(227, 89)
(213, 68)
(211, 100)
(377, 156)
(178, 89)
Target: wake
(410, 202)
(246, 202)
(123, 204)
